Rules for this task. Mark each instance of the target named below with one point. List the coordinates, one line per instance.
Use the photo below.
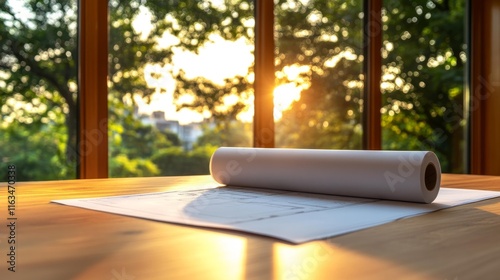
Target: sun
(284, 96)
(287, 93)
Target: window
(322, 71)
(180, 84)
(38, 88)
(331, 85)
(422, 75)
(319, 74)
(424, 68)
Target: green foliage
(37, 155)
(233, 134)
(38, 65)
(174, 161)
(121, 166)
(423, 68)
(424, 109)
(132, 144)
(193, 21)
(321, 118)
(142, 150)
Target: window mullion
(93, 103)
(264, 74)
(372, 135)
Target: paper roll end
(430, 176)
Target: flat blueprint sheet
(292, 216)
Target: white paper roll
(396, 175)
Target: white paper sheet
(292, 216)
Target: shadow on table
(455, 243)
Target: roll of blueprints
(413, 176)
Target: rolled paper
(413, 176)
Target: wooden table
(62, 242)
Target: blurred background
(180, 81)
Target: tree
(38, 66)
(326, 36)
(175, 161)
(36, 150)
(233, 134)
(39, 52)
(423, 68)
(425, 54)
(134, 144)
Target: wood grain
(62, 242)
(485, 85)
(92, 144)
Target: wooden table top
(60, 242)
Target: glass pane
(319, 78)
(180, 84)
(424, 61)
(38, 88)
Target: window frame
(264, 75)
(484, 82)
(93, 67)
(372, 70)
(92, 142)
